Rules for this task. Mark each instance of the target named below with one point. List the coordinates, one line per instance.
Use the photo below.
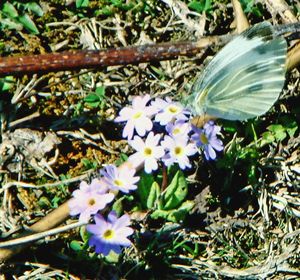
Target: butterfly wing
(245, 78)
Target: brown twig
(80, 59)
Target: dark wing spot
(262, 49)
(222, 72)
(252, 68)
(256, 87)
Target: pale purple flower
(207, 139)
(168, 111)
(179, 128)
(137, 117)
(119, 179)
(178, 150)
(89, 199)
(148, 151)
(110, 235)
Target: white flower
(148, 152)
(168, 111)
(121, 178)
(178, 151)
(138, 117)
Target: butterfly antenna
(287, 28)
(293, 36)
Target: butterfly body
(244, 79)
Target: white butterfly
(244, 79)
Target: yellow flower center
(91, 202)
(118, 182)
(176, 131)
(203, 138)
(173, 109)
(148, 151)
(178, 151)
(108, 234)
(137, 115)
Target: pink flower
(89, 199)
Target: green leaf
(159, 72)
(92, 98)
(96, 98)
(10, 24)
(250, 6)
(35, 8)
(84, 234)
(106, 11)
(122, 158)
(6, 83)
(89, 164)
(278, 131)
(267, 138)
(292, 130)
(153, 195)
(144, 188)
(112, 257)
(44, 202)
(76, 245)
(10, 10)
(27, 22)
(100, 91)
(118, 206)
(200, 6)
(82, 3)
(176, 192)
(178, 215)
(159, 214)
(207, 6)
(55, 201)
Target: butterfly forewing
(245, 78)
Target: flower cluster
(91, 198)
(160, 131)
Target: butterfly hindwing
(245, 78)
